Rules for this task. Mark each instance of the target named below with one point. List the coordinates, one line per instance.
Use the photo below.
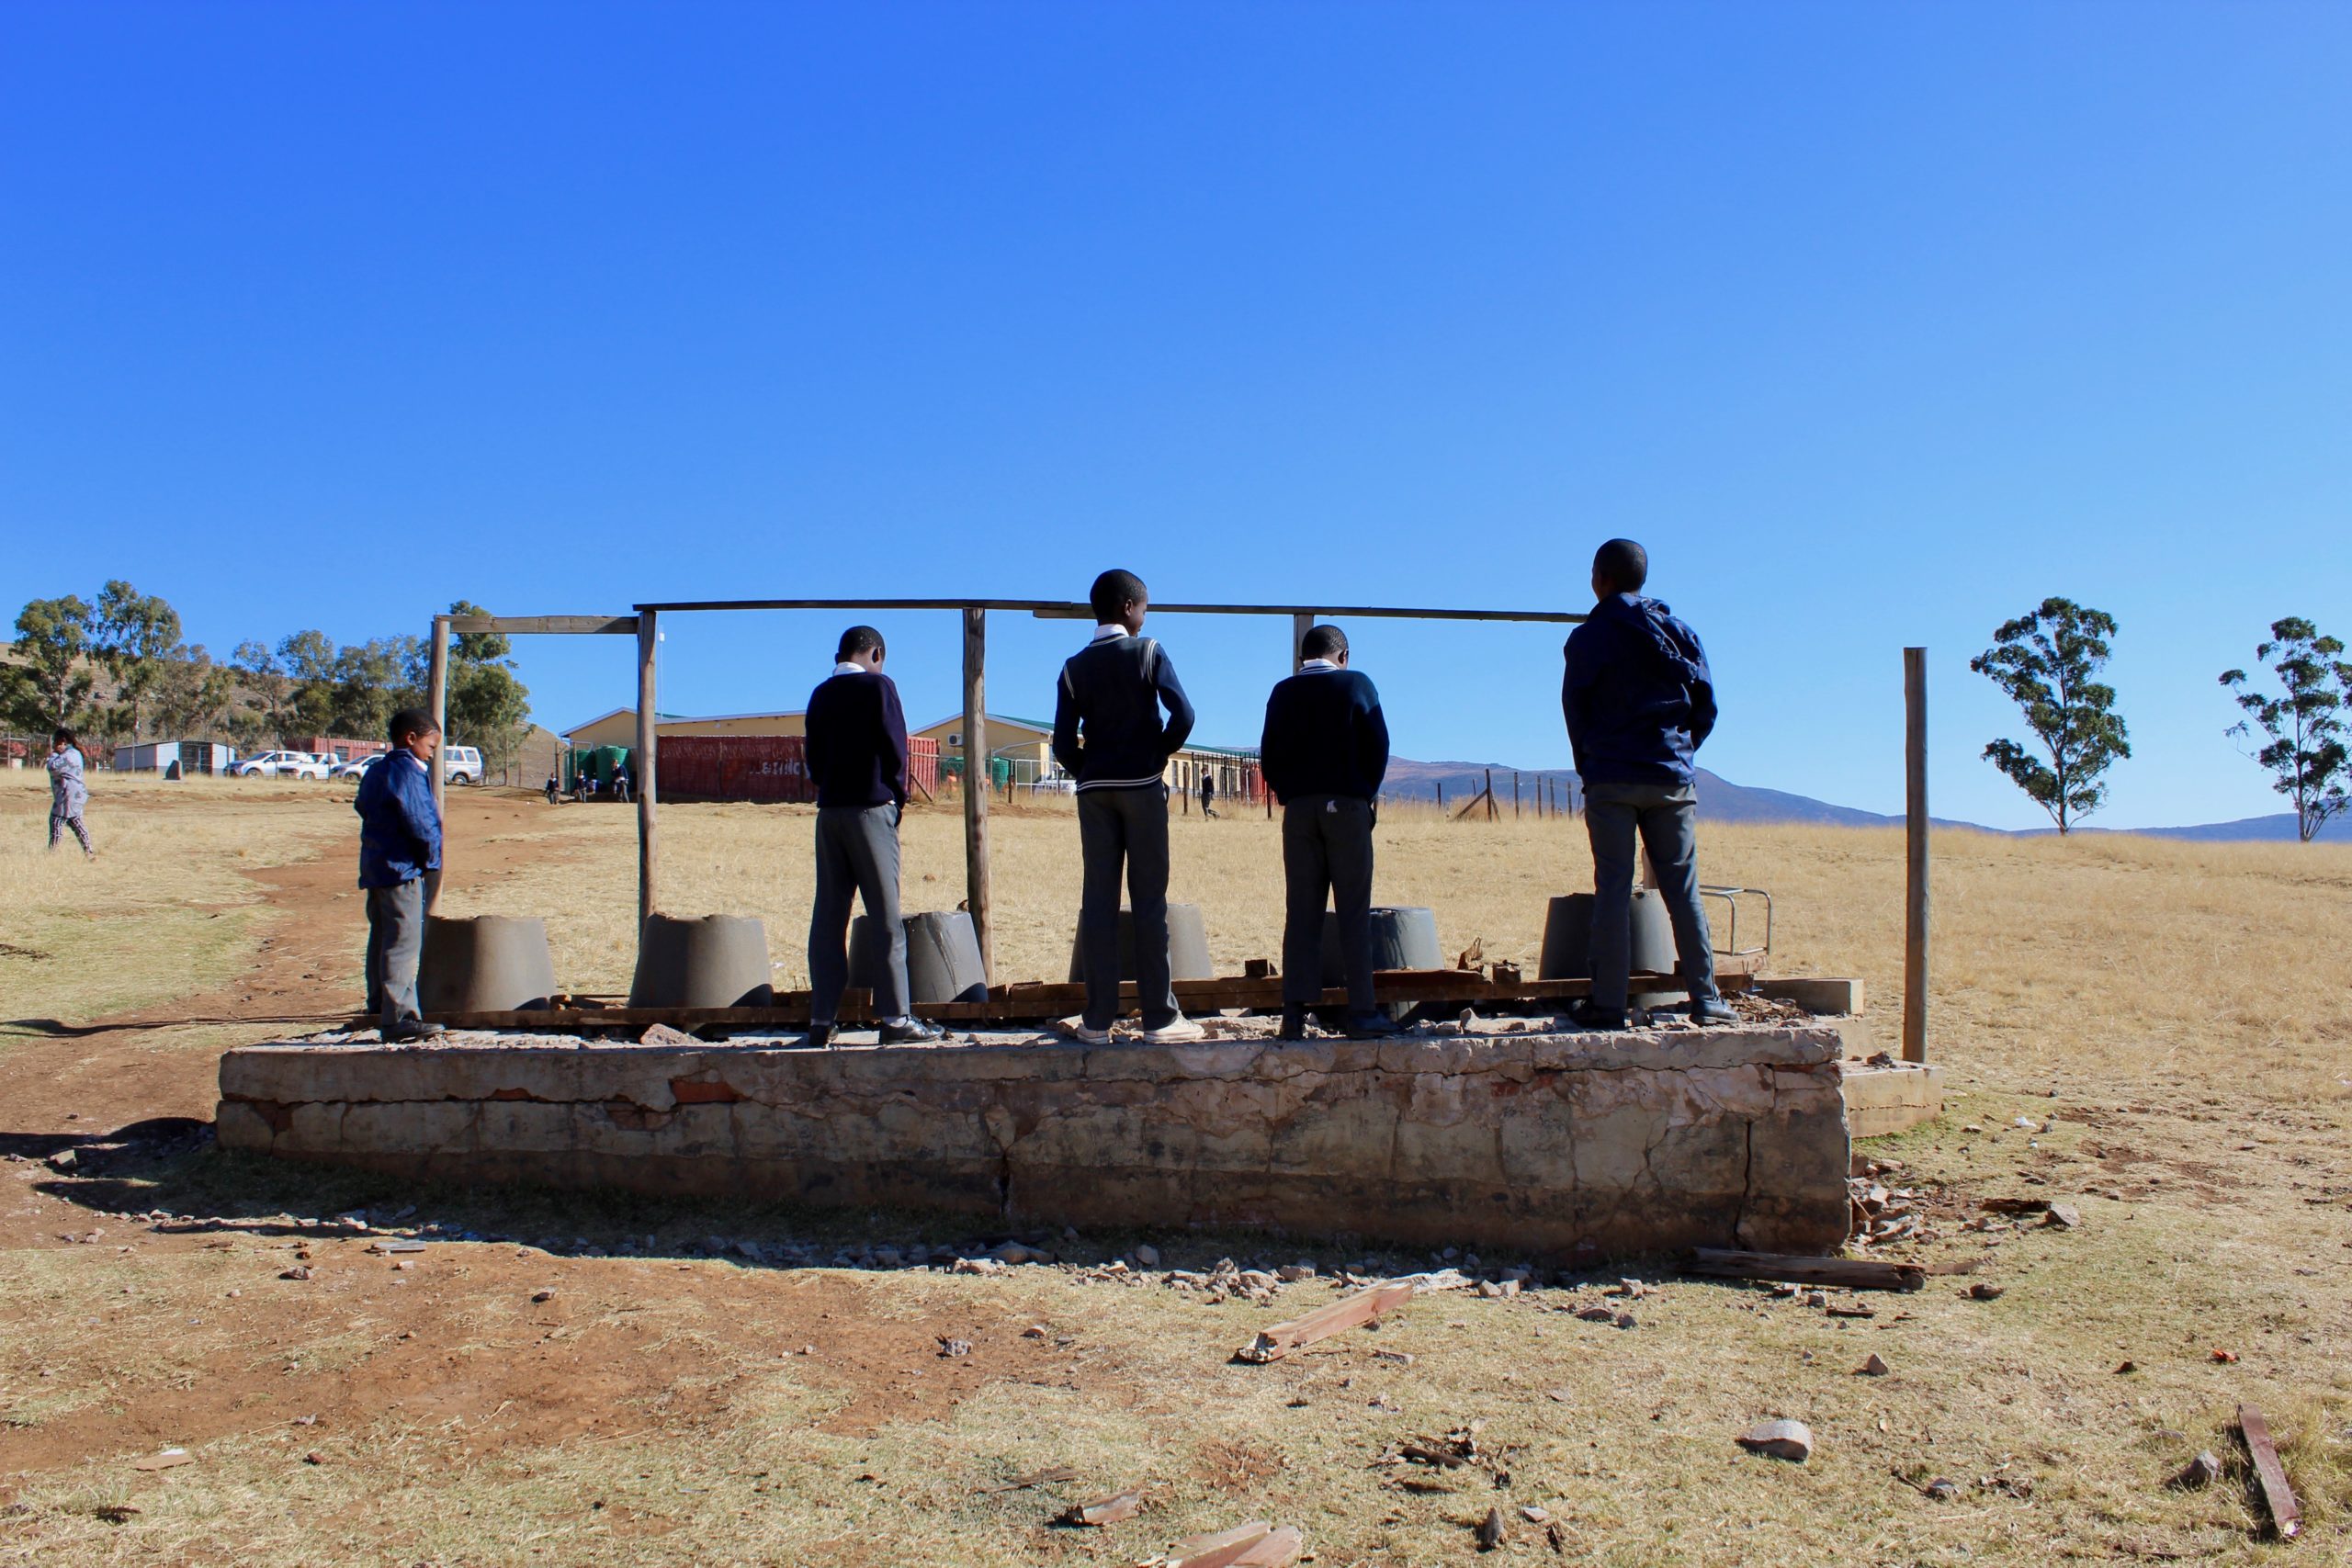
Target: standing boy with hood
(399, 865)
(1109, 736)
(1639, 702)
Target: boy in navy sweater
(1108, 735)
(1324, 753)
(857, 754)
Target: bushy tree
(133, 634)
(2306, 753)
(2048, 662)
(193, 694)
(268, 695)
(488, 706)
(308, 660)
(375, 679)
(52, 685)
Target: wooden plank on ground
(1219, 1549)
(1353, 1311)
(2286, 1514)
(1853, 1273)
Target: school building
(1021, 753)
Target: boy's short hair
(1323, 642)
(1113, 593)
(410, 723)
(858, 640)
(65, 735)
(1624, 563)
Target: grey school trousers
(1327, 850)
(1666, 816)
(1124, 829)
(395, 943)
(857, 852)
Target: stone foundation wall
(1618, 1144)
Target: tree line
(117, 672)
(2048, 662)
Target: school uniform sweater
(1325, 734)
(1107, 730)
(857, 740)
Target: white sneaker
(1177, 1031)
(1075, 1029)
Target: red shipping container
(761, 767)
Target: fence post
(648, 849)
(976, 790)
(1915, 857)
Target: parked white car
(358, 767)
(461, 765)
(280, 765)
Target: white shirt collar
(1103, 632)
(849, 667)
(1317, 666)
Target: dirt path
(134, 1066)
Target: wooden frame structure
(645, 627)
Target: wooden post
(1299, 626)
(648, 849)
(976, 789)
(437, 685)
(1491, 794)
(1914, 860)
(1440, 797)
(1514, 796)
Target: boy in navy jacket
(1324, 753)
(1108, 735)
(857, 754)
(399, 865)
(1639, 700)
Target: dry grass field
(2174, 1022)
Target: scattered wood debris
(1107, 1510)
(1849, 1273)
(1985, 1291)
(1275, 1549)
(1491, 1531)
(389, 1244)
(1780, 1440)
(2198, 1473)
(1352, 1312)
(168, 1460)
(2285, 1515)
(2014, 1205)
(1059, 1472)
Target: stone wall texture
(1558, 1145)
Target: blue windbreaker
(1637, 695)
(399, 830)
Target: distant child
(1109, 736)
(399, 865)
(553, 789)
(67, 794)
(1208, 793)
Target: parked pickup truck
(280, 765)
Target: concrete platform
(1563, 1144)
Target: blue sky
(1876, 324)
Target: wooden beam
(1914, 854)
(1850, 1273)
(1076, 610)
(649, 846)
(976, 782)
(522, 625)
(1301, 622)
(2286, 1514)
(1350, 1312)
(436, 686)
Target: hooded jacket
(1637, 695)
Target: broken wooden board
(1029, 1003)
(1220, 1548)
(1852, 1273)
(1353, 1311)
(2286, 1514)
(1275, 1549)
(1107, 1510)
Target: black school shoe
(1371, 1025)
(1585, 1015)
(820, 1035)
(412, 1029)
(914, 1032)
(1712, 1009)
(1294, 1024)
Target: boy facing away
(1108, 735)
(399, 865)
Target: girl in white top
(67, 794)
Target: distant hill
(1720, 800)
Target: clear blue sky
(1876, 323)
